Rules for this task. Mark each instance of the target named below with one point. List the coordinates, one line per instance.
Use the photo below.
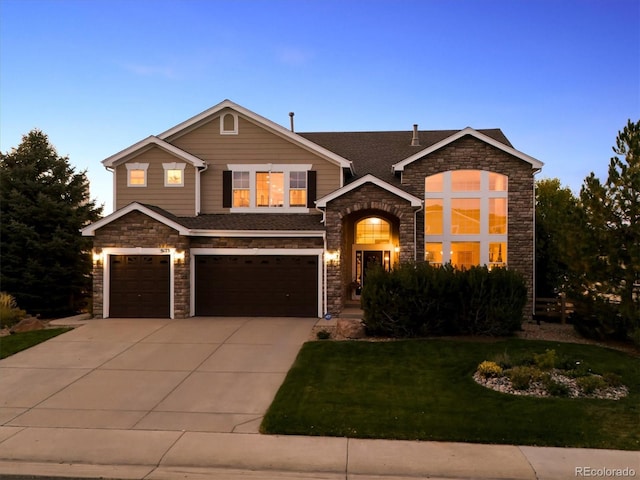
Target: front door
(367, 259)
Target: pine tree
(612, 212)
(46, 263)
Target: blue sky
(559, 77)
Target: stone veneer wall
(139, 230)
(368, 197)
(471, 153)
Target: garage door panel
(261, 285)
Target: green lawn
(423, 390)
(21, 341)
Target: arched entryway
(372, 239)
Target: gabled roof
(146, 144)
(414, 201)
(153, 212)
(399, 167)
(376, 152)
(267, 124)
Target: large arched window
(373, 230)
(466, 218)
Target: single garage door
(139, 286)
(257, 285)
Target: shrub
(323, 335)
(9, 311)
(421, 299)
(522, 376)
(546, 360)
(612, 379)
(504, 360)
(489, 369)
(553, 387)
(591, 383)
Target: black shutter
(227, 177)
(311, 188)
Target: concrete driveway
(199, 374)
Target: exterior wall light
(178, 256)
(331, 257)
(97, 257)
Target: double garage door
(256, 285)
(225, 285)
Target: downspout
(415, 232)
(198, 194)
(325, 308)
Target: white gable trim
(90, 230)
(536, 164)
(261, 121)
(147, 143)
(414, 201)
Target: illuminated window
(241, 189)
(137, 174)
(373, 230)
(269, 189)
(173, 174)
(297, 189)
(466, 218)
(433, 216)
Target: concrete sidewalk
(175, 399)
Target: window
(269, 189)
(298, 189)
(241, 189)
(255, 188)
(466, 218)
(137, 174)
(373, 230)
(173, 174)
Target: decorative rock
(350, 328)
(27, 325)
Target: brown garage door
(139, 286)
(257, 285)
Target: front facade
(231, 214)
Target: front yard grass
(424, 390)
(21, 341)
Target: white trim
(536, 164)
(106, 272)
(90, 230)
(144, 145)
(319, 252)
(414, 201)
(135, 166)
(273, 127)
(256, 233)
(173, 166)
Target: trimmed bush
(546, 360)
(521, 377)
(420, 299)
(591, 383)
(489, 369)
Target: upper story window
(137, 174)
(229, 124)
(261, 187)
(173, 174)
(466, 218)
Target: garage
(139, 286)
(256, 285)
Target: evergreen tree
(46, 263)
(612, 212)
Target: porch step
(351, 312)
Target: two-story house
(232, 214)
